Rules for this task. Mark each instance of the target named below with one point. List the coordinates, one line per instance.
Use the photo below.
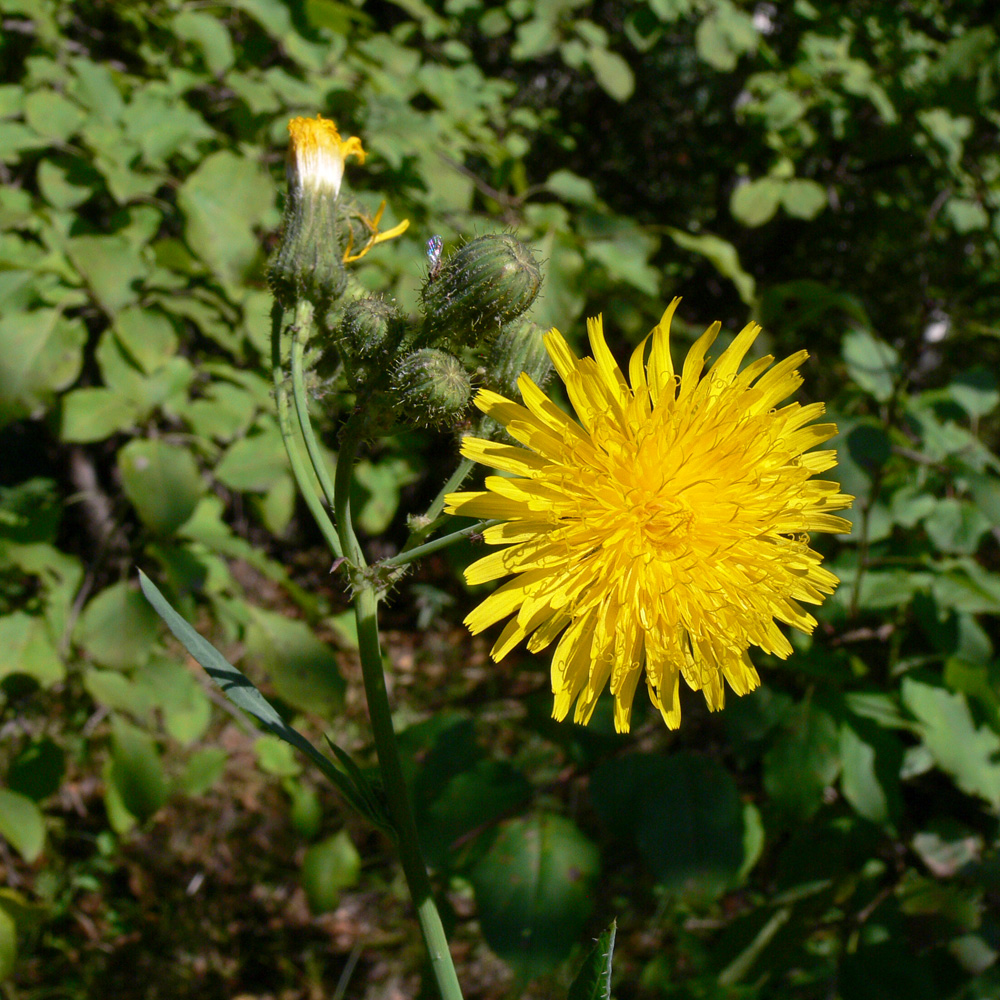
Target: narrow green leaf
(593, 982)
(241, 691)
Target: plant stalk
(299, 470)
(301, 329)
(386, 746)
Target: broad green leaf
(976, 391)
(756, 201)
(684, 814)
(329, 866)
(40, 354)
(968, 752)
(572, 188)
(956, 526)
(27, 648)
(16, 138)
(203, 769)
(802, 198)
(626, 259)
(209, 34)
(872, 364)
(184, 705)
(95, 88)
(965, 215)
(534, 889)
(112, 689)
(111, 266)
(162, 481)
(949, 131)
(376, 492)
(305, 810)
(869, 778)
(803, 760)
(66, 182)
(37, 771)
(94, 413)
(136, 769)
(612, 72)
(22, 824)
(724, 35)
(52, 115)
(147, 335)
(593, 981)
(275, 756)
(117, 627)
(254, 464)
(222, 201)
(302, 668)
(471, 801)
(223, 413)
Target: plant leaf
(242, 692)
(593, 982)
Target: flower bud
(480, 288)
(371, 332)
(432, 386)
(308, 263)
(519, 348)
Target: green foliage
(828, 169)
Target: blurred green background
(830, 169)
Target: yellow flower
(317, 154)
(665, 531)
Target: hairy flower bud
(519, 348)
(432, 386)
(308, 263)
(369, 338)
(479, 289)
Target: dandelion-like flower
(319, 226)
(317, 155)
(662, 533)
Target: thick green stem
(301, 329)
(394, 785)
(299, 470)
(397, 798)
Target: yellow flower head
(665, 528)
(317, 154)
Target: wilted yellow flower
(317, 154)
(663, 532)
(372, 234)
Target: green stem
(300, 330)
(394, 785)
(397, 798)
(432, 518)
(419, 551)
(299, 470)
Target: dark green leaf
(593, 981)
(534, 889)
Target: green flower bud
(368, 339)
(372, 328)
(432, 387)
(309, 261)
(479, 289)
(519, 348)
